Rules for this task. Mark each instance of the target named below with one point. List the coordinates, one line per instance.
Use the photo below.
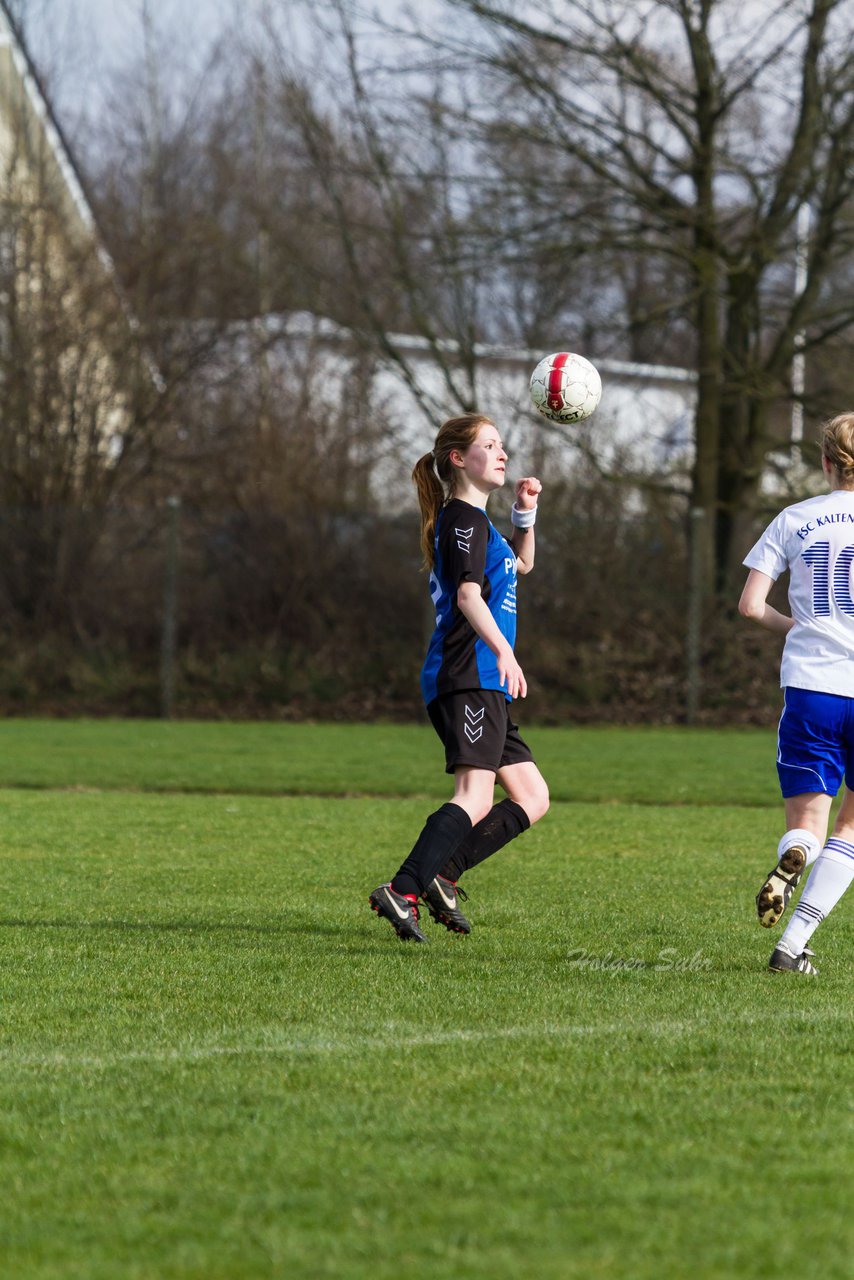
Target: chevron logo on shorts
(473, 718)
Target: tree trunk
(742, 422)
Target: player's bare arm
(528, 490)
(754, 604)
(473, 606)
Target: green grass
(648, 766)
(216, 1063)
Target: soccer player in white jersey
(814, 540)
(470, 675)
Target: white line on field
(394, 1040)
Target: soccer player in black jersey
(470, 675)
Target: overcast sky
(111, 29)
(81, 47)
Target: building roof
(33, 99)
(24, 89)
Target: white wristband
(523, 519)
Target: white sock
(810, 843)
(828, 880)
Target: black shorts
(476, 728)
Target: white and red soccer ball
(565, 387)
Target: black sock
(442, 832)
(504, 822)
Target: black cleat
(773, 898)
(402, 913)
(782, 961)
(440, 897)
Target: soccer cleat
(773, 898)
(782, 961)
(440, 897)
(400, 911)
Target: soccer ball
(565, 387)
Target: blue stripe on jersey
(456, 657)
(842, 580)
(819, 558)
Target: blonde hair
(434, 473)
(837, 445)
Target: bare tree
(77, 390)
(75, 404)
(704, 125)
(632, 167)
(387, 202)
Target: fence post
(693, 646)
(170, 610)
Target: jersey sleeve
(769, 555)
(465, 548)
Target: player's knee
(536, 803)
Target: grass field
(216, 1062)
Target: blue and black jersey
(468, 548)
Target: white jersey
(814, 540)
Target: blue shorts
(815, 742)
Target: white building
(645, 414)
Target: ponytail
(431, 497)
(434, 473)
